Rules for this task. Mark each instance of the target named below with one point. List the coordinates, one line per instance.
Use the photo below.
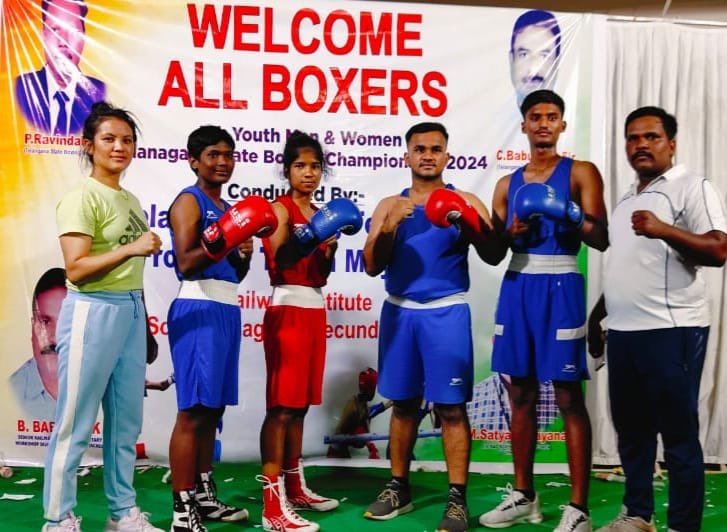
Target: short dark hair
(83, 11)
(668, 121)
(101, 111)
(53, 278)
(542, 96)
(295, 143)
(205, 136)
(426, 127)
(540, 18)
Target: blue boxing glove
(539, 199)
(339, 215)
(378, 408)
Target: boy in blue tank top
(542, 212)
(421, 238)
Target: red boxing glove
(373, 450)
(253, 216)
(446, 207)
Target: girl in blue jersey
(204, 332)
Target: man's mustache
(641, 154)
(49, 349)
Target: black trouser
(653, 383)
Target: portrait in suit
(57, 98)
(534, 52)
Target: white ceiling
(714, 11)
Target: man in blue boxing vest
(421, 238)
(542, 212)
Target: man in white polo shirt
(669, 224)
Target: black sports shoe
(394, 500)
(186, 516)
(210, 507)
(455, 516)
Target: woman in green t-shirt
(102, 327)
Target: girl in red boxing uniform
(294, 335)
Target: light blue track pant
(101, 360)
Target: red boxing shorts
(294, 338)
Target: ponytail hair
(101, 111)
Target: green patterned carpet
(355, 487)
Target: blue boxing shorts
(540, 327)
(425, 350)
(204, 338)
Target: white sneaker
(574, 520)
(69, 524)
(515, 508)
(136, 521)
(627, 523)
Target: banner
(357, 75)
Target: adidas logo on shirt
(133, 231)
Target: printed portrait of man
(35, 383)
(57, 98)
(534, 52)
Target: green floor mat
(356, 488)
